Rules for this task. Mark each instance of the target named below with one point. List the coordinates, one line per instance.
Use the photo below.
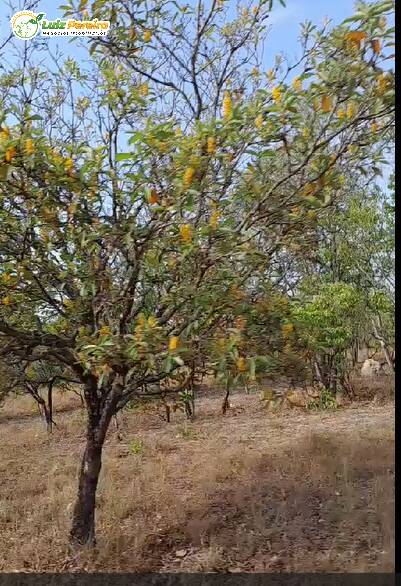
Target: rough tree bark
(99, 416)
(83, 523)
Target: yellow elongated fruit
(341, 114)
(326, 103)
(188, 177)
(186, 233)
(147, 35)
(211, 145)
(29, 146)
(259, 121)
(173, 343)
(6, 300)
(227, 106)
(10, 154)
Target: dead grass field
(250, 491)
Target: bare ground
(250, 491)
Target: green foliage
(136, 447)
(187, 432)
(330, 320)
(325, 401)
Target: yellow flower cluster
(326, 103)
(297, 84)
(376, 46)
(381, 83)
(147, 36)
(227, 106)
(259, 121)
(29, 146)
(144, 89)
(4, 133)
(11, 152)
(287, 329)
(105, 331)
(153, 197)
(152, 321)
(351, 110)
(354, 38)
(211, 145)
(214, 220)
(186, 233)
(173, 343)
(188, 177)
(276, 94)
(241, 364)
(69, 165)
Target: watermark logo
(26, 25)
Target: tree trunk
(385, 349)
(50, 407)
(226, 402)
(83, 523)
(99, 417)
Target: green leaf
(123, 156)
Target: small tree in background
(135, 215)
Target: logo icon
(25, 24)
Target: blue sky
(284, 21)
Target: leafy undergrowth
(251, 491)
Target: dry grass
(380, 389)
(24, 406)
(251, 491)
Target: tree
(355, 243)
(135, 215)
(328, 324)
